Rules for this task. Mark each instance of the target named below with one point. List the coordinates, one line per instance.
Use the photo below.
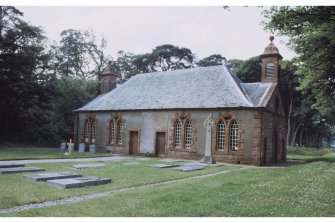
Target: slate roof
(201, 87)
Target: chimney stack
(108, 79)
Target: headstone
(171, 160)
(51, 176)
(79, 182)
(131, 163)
(70, 146)
(81, 147)
(163, 165)
(189, 168)
(20, 169)
(209, 124)
(92, 148)
(11, 165)
(63, 146)
(91, 165)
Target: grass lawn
(42, 153)
(311, 155)
(15, 190)
(300, 190)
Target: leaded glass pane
(177, 133)
(119, 132)
(188, 135)
(233, 135)
(112, 132)
(220, 136)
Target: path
(103, 194)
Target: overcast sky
(236, 34)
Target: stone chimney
(108, 79)
(270, 59)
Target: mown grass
(301, 190)
(42, 153)
(15, 190)
(311, 154)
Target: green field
(298, 190)
(42, 153)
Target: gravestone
(70, 146)
(209, 124)
(51, 176)
(188, 168)
(171, 160)
(81, 147)
(91, 165)
(201, 164)
(143, 158)
(163, 165)
(11, 165)
(79, 182)
(63, 146)
(131, 163)
(20, 169)
(92, 148)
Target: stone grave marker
(81, 147)
(51, 176)
(20, 169)
(70, 146)
(90, 165)
(10, 165)
(131, 164)
(201, 164)
(79, 182)
(92, 148)
(143, 158)
(163, 165)
(188, 168)
(63, 146)
(209, 124)
(169, 160)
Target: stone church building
(163, 114)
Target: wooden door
(160, 143)
(133, 143)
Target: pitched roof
(201, 87)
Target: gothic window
(90, 130)
(188, 135)
(233, 135)
(112, 132)
(177, 134)
(119, 132)
(220, 135)
(269, 69)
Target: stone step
(11, 165)
(51, 176)
(20, 169)
(79, 182)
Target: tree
(249, 70)
(164, 58)
(24, 72)
(311, 33)
(78, 54)
(212, 60)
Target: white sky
(236, 34)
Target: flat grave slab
(171, 160)
(91, 165)
(11, 165)
(143, 158)
(163, 165)
(51, 176)
(132, 164)
(189, 168)
(201, 164)
(79, 182)
(20, 169)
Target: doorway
(160, 144)
(133, 143)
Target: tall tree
(312, 37)
(249, 70)
(212, 60)
(79, 55)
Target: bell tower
(108, 79)
(270, 63)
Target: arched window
(269, 69)
(177, 133)
(188, 135)
(233, 135)
(112, 132)
(220, 135)
(89, 131)
(119, 132)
